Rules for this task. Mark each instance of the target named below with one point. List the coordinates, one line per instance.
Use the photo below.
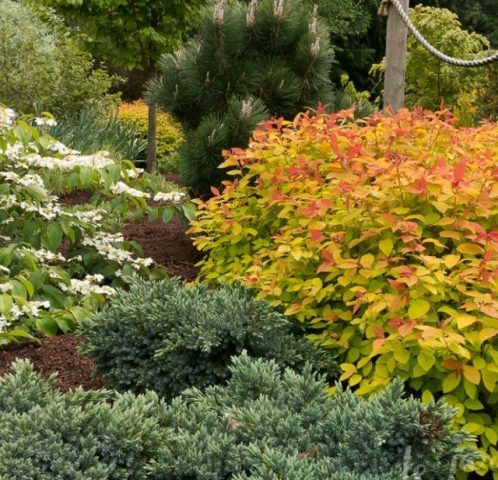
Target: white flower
(7, 117)
(5, 287)
(42, 121)
(121, 187)
(175, 197)
(134, 173)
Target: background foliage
(168, 131)
(429, 82)
(43, 69)
(247, 62)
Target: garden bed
(167, 244)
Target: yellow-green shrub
(168, 131)
(382, 235)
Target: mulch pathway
(167, 244)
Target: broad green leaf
(418, 308)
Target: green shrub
(43, 69)
(382, 236)
(267, 425)
(264, 425)
(47, 435)
(166, 336)
(90, 132)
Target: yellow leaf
(489, 379)
(418, 308)
(349, 369)
(474, 428)
(427, 396)
(401, 355)
(491, 435)
(471, 374)
(464, 320)
(487, 333)
(366, 261)
(451, 260)
(354, 380)
(470, 248)
(386, 246)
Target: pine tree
(248, 62)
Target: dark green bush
(263, 425)
(247, 63)
(166, 336)
(267, 425)
(48, 435)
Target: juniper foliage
(266, 425)
(78, 435)
(166, 336)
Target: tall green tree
(248, 62)
(130, 34)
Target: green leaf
(189, 211)
(54, 236)
(418, 308)
(386, 246)
(47, 325)
(451, 382)
(6, 304)
(167, 214)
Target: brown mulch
(167, 244)
(76, 197)
(55, 354)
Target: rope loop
(457, 62)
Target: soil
(76, 197)
(167, 244)
(55, 354)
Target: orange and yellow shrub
(168, 131)
(382, 235)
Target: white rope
(481, 62)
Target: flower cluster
(61, 258)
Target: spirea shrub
(265, 424)
(57, 262)
(167, 336)
(46, 434)
(382, 235)
(168, 131)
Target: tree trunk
(151, 138)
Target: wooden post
(151, 138)
(396, 39)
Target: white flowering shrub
(58, 262)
